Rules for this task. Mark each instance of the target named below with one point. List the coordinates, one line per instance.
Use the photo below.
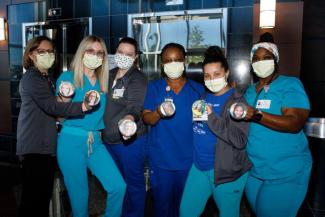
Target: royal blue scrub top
(94, 118)
(204, 139)
(277, 154)
(171, 139)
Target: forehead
(96, 46)
(262, 52)
(45, 44)
(213, 68)
(172, 52)
(126, 47)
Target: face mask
(45, 61)
(174, 69)
(216, 85)
(263, 68)
(92, 61)
(123, 61)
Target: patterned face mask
(123, 61)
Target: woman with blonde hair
(79, 144)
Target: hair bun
(213, 52)
(266, 37)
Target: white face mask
(123, 61)
(174, 70)
(215, 85)
(92, 61)
(45, 61)
(263, 68)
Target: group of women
(265, 154)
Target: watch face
(66, 89)
(92, 98)
(238, 111)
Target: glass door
(194, 29)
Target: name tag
(263, 104)
(118, 93)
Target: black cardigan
(36, 130)
(135, 85)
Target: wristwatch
(257, 115)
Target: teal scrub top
(277, 154)
(93, 120)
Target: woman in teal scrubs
(79, 144)
(277, 145)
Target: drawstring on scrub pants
(90, 142)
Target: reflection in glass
(194, 29)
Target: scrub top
(94, 119)
(277, 154)
(204, 139)
(171, 139)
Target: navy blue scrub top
(171, 139)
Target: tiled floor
(10, 188)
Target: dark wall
(313, 55)
(5, 117)
(287, 34)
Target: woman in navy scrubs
(170, 137)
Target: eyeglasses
(97, 53)
(43, 52)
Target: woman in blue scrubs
(79, 144)
(221, 164)
(171, 136)
(277, 145)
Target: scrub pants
(130, 160)
(167, 188)
(74, 156)
(278, 197)
(200, 186)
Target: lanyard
(266, 87)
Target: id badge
(118, 93)
(263, 104)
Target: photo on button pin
(238, 111)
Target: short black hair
(214, 54)
(173, 45)
(131, 41)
